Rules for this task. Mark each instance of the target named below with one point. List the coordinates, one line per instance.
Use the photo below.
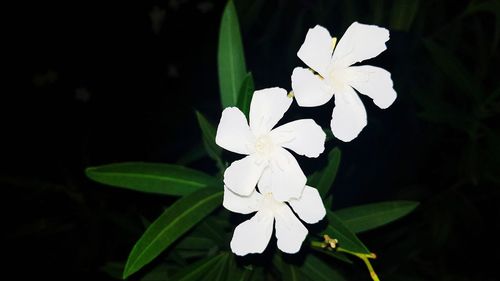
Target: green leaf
(347, 239)
(245, 94)
(152, 177)
(235, 272)
(453, 68)
(324, 180)
(288, 272)
(208, 131)
(403, 14)
(197, 270)
(175, 221)
(230, 57)
(334, 254)
(113, 269)
(317, 270)
(219, 270)
(370, 216)
(195, 243)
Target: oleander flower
(253, 235)
(265, 146)
(334, 75)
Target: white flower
(252, 236)
(265, 148)
(336, 75)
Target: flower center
(264, 145)
(270, 203)
(337, 79)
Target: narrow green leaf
(175, 221)
(197, 270)
(230, 57)
(208, 131)
(327, 176)
(245, 94)
(370, 216)
(347, 239)
(152, 177)
(317, 270)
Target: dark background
(101, 83)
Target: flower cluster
(267, 163)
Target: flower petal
(267, 108)
(348, 116)
(309, 207)
(310, 90)
(289, 230)
(233, 132)
(285, 178)
(241, 204)
(303, 136)
(374, 82)
(316, 51)
(253, 235)
(360, 42)
(242, 175)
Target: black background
(99, 83)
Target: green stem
(362, 256)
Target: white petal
(349, 115)
(233, 132)
(303, 136)
(285, 176)
(310, 90)
(241, 204)
(265, 183)
(242, 175)
(360, 42)
(316, 51)
(252, 236)
(374, 82)
(267, 108)
(309, 207)
(289, 230)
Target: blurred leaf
(197, 270)
(334, 254)
(288, 272)
(492, 6)
(175, 221)
(323, 180)
(235, 272)
(113, 269)
(230, 57)
(370, 216)
(317, 270)
(219, 270)
(453, 69)
(208, 132)
(160, 272)
(152, 177)
(403, 14)
(245, 94)
(194, 154)
(195, 243)
(347, 239)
